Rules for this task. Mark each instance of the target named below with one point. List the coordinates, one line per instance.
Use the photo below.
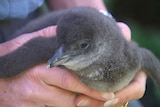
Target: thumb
(46, 32)
(68, 81)
(17, 42)
(125, 30)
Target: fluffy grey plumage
(92, 47)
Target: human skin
(63, 4)
(42, 87)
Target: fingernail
(108, 96)
(111, 102)
(83, 103)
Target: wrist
(64, 4)
(106, 13)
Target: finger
(125, 30)
(38, 92)
(47, 32)
(85, 101)
(13, 44)
(135, 89)
(66, 80)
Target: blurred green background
(143, 18)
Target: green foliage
(146, 37)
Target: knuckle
(69, 82)
(65, 80)
(140, 91)
(90, 91)
(28, 94)
(125, 99)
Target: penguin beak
(59, 58)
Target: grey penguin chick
(94, 49)
(87, 43)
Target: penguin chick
(94, 49)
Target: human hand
(42, 87)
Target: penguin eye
(84, 45)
